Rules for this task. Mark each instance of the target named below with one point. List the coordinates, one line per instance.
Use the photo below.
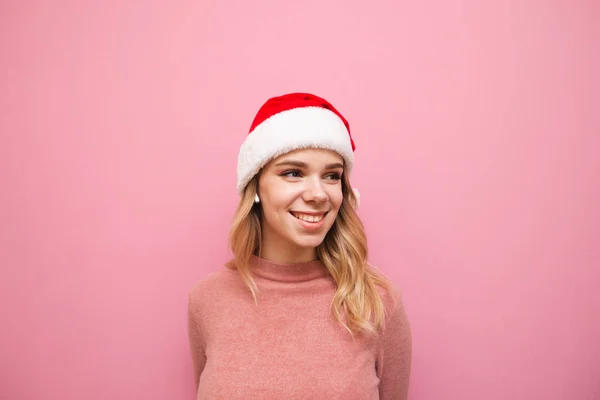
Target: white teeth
(308, 218)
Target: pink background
(477, 129)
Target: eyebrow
(301, 164)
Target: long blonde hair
(343, 252)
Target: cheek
(274, 208)
(276, 201)
(273, 219)
(336, 197)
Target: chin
(310, 242)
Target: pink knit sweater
(290, 348)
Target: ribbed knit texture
(291, 347)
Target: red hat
(290, 122)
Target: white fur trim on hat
(298, 128)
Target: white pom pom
(357, 195)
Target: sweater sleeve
(394, 359)
(196, 340)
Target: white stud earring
(256, 198)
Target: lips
(309, 217)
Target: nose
(314, 190)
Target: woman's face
(300, 195)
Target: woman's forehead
(310, 156)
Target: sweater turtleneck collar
(281, 272)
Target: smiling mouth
(308, 217)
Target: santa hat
(290, 122)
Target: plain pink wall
(477, 129)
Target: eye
(292, 173)
(336, 176)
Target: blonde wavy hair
(343, 252)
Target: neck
(283, 252)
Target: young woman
(299, 313)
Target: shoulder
(211, 285)
(396, 317)
(389, 290)
(397, 324)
